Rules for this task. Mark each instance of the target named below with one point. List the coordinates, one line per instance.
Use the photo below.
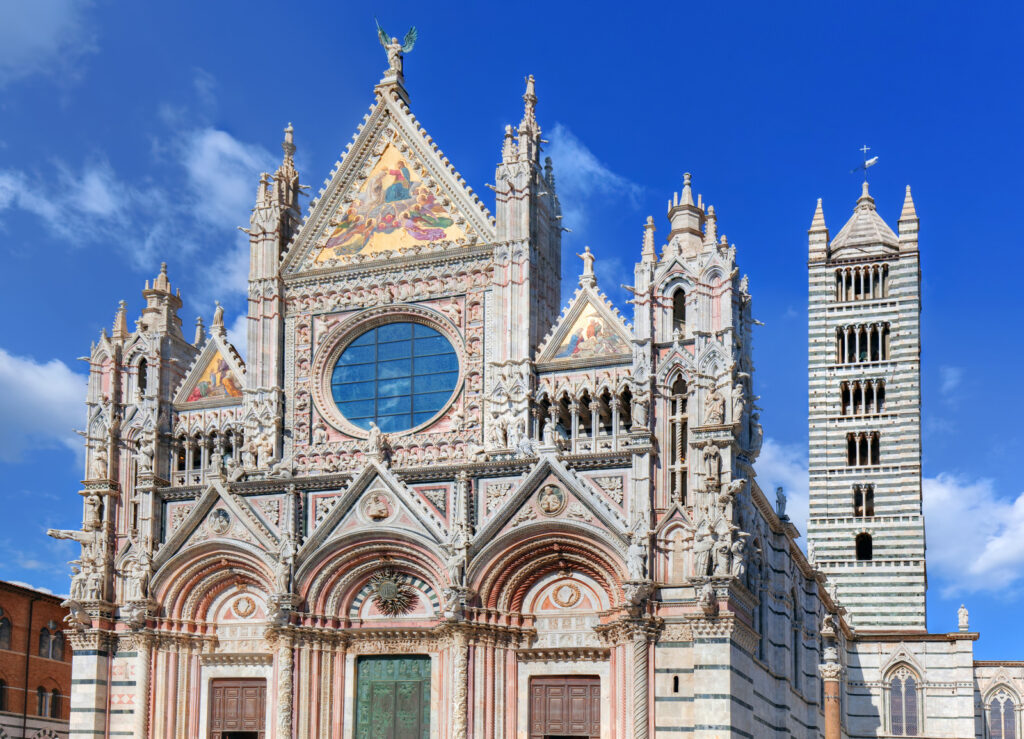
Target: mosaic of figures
(591, 336)
(216, 381)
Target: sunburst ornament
(394, 597)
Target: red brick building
(35, 664)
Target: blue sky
(133, 133)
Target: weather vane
(868, 163)
(396, 48)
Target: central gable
(392, 191)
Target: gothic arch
(507, 568)
(190, 581)
(330, 581)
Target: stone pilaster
(285, 664)
(460, 683)
(90, 683)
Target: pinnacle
(909, 212)
(865, 198)
(818, 221)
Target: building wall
(16, 603)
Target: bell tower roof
(865, 232)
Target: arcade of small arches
(862, 398)
(862, 282)
(863, 449)
(865, 342)
(587, 421)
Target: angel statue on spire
(395, 48)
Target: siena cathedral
(436, 503)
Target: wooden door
(565, 707)
(393, 698)
(238, 709)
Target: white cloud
(582, 180)
(43, 37)
(40, 404)
(785, 465)
(950, 379)
(976, 537)
(25, 585)
(223, 173)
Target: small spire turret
(200, 338)
(686, 218)
(908, 224)
(817, 235)
(120, 330)
(647, 253)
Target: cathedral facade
(433, 502)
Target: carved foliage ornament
(394, 597)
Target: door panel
(565, 707)
(238, 708)
(393, 698)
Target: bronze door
(393, 698)
(238, 709)
(565, 707)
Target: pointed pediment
(375, 499)
(216, 377)
(589, 332)
(575, 500)
(393, 190)
(218, 515)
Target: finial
(529, 122)
(687, 194)
(200, 333)
(865, 200)
(161, 282)
(120, 330)
(712, 225)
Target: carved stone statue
(147, 450)
(728, 495)
(93, 512)
(738, 565)
(639, 414)
(702, 546)
(723, 550)
(739, 402)
(98, 469)
(138, 570)
(712, 466)
(961, 617)
(714, 409)
(396, 48)
(77, 617)
(376, 442)
(708, 600)
(588, 261)
(780, 502)
(320, 433)
(264, 450)
(636, 558)
(283, 567)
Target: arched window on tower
(679, 312)
(1002, 720)
(863, 545)
(869, 500)
(42, 701)
(844, 398)
(5, 631)
(876, 452)
(51, 642)
(858, 501)
(903, 711)
(679, 420)
(54, 703)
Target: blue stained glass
(398, 375)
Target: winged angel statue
(395, 48)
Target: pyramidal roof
(865, 231)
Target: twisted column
(284, 687)
(460, 677)
(640, 684)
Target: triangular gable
(237, 508)
(216, 377)
(594, 503)
(375, 476)
(589, 332)
(393, 189)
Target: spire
(529, 122)
(161, 283)
(647, 252)
(687, 195)
(865, 200)
(687, 220)
(908, 224)
(711, 226)
(200, 333)
(286, 178)
(817, 235)
(120, 323)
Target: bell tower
(866, 527)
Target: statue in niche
(728, 496)
(639, 414)
(320, 433)
(98, 469)
(738, 564)
(712, 466)
(93, 512)
(136, 577)
(678, 566)
(714, 409)
(723, 551)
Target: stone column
(143, 648)
(460, 678)
(640, 683)
(830, 673)
(284, 687)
